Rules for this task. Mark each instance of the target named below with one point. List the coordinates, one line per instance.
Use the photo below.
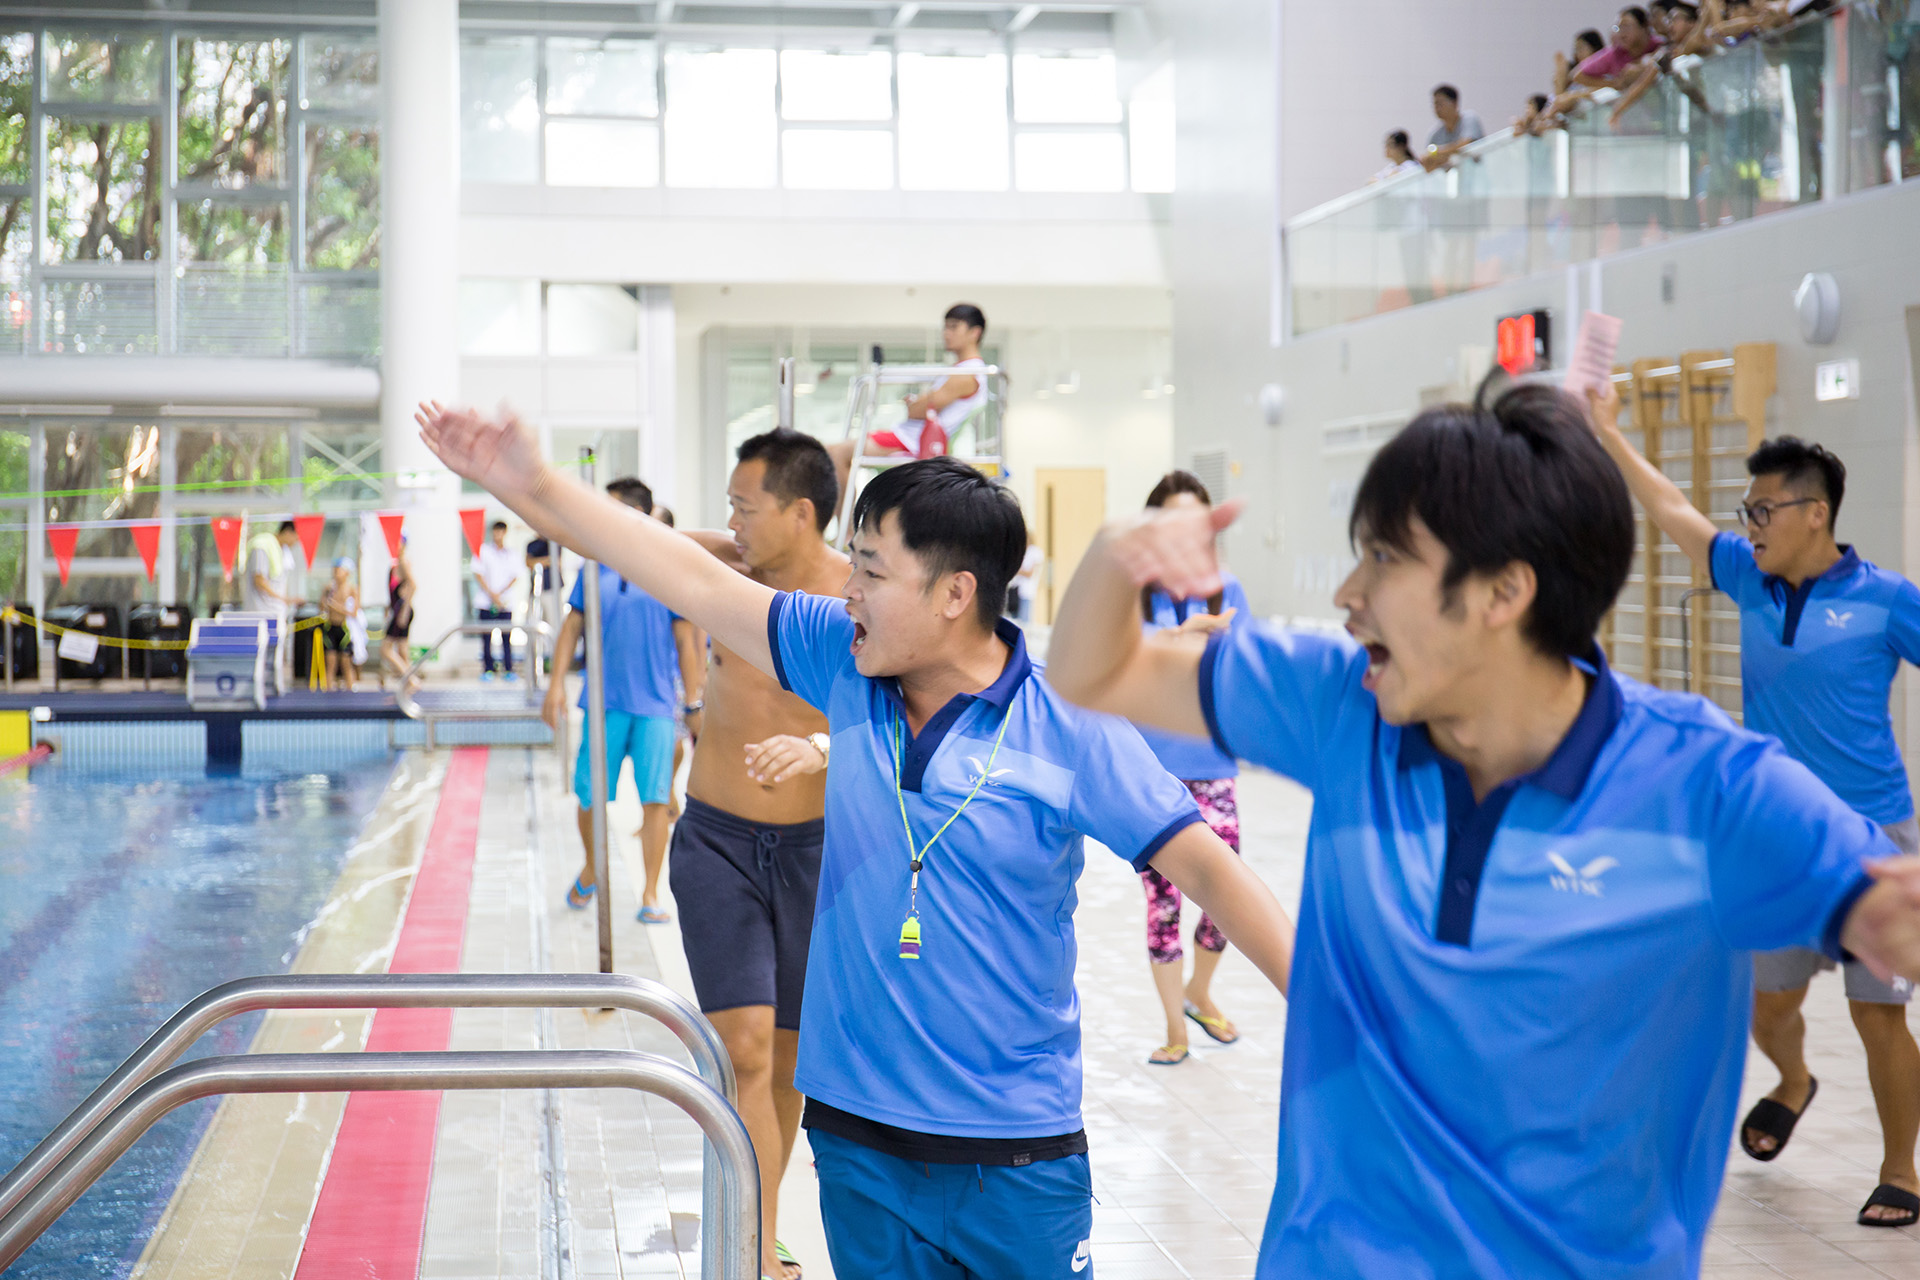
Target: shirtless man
(746, 852)
(936, 413)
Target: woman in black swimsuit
(393, 647)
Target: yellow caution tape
(9, 613)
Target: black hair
(1399, 139)
(288, 526)
(1176, 482)
(955, 520)
(1448, 92)
(1592, 39)
(1808, 468)
(968, 314)
(633, 491)
(1539, 102)
(1523, 480)
(664, 514)
(499, 524)
(798, 466)
(1638, 14)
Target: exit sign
(1836, 380)
(1523, 343)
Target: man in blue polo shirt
(1822, 634)
(640, 641)
(1518, 1013)
(939, 1037)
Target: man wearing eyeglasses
(1822, 633)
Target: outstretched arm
(1098, 656)
(503, 456)
(1236, 899)
(1678, 518)
(1883, 928)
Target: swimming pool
(121, 898)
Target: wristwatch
(694, 708)
(823, 744)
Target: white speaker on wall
(1817, 303)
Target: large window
(205, 192)
(994, 115)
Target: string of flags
(228, 531)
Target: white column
(419, 289)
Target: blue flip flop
(654, 915)
(580, 895)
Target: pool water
(121, 898)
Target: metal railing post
(730, 1245)
(784, 402)
(596, 734)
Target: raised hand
(1174, 548)
(501, 455)
(1205, 624)
(1603, 408)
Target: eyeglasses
(1762, 516)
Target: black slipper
(1776, 1121)
(1893, 1198)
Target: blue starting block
(276, 638)
(227, 664)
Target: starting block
(276, 636)
(227, 664)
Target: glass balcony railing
(269, 312)
(1812, 112)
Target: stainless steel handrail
(373, 991)
(730, 1244)
(535, 630)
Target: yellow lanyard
(910, 931)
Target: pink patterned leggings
(1221, 810)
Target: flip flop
(1180, 1049)
(580, 895)
(1215, 1027)
(781, 1252)
(1775, 1120)
(1891, 1197)
(657, 915)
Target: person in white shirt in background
(497, 572)
(263, 587)
(1400, 158)
(1026, 583)
(934, 415)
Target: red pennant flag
(474, 521)
(226, 540)
(309, 528)
(63, 538)
(390, 523)
(146, 536)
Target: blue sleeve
(1903, 622)
(811, 638)
(1730, 564)
(1121, 795)
(1785, 854)
(1270, 695)
(577, 598)
(1235, 597)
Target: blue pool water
(121, 898)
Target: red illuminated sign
(1521, 342)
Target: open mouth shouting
(1377, 659)
(859, 638)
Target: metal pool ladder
(147, 1085)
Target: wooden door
(1072, 504)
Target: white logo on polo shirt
(980, 773)
(1083, 1256)
(1585, 880)
(1839, 619)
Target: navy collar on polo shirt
(1472, 825)
(1795, 598)
(918, 749)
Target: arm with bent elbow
(1200, 864)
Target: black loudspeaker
(101, 620)
(302, 642)
(25, 655)
(164, 622)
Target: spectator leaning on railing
(1457, 130)
(1633, 41)
(1400, 157)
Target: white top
(499, 568)
(262, 561)
(957, 413)
(1027, 580)
(1395, 170)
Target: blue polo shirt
(980, 1037)
(1188, 758)
(1817, 665)
(636, 635)
(1516, 1029)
